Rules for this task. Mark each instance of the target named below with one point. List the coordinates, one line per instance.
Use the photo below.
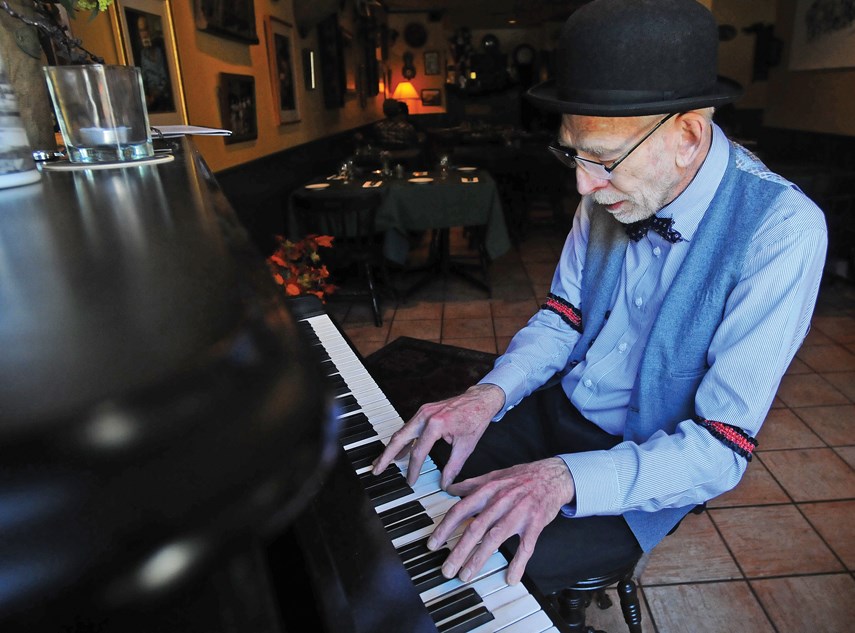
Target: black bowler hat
(636, 57)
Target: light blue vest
(675, 359)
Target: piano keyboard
(484, 604)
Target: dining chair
(358, 246)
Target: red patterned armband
(731, 436)
(569, 313)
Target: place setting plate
(420, 181)
(318, 185)
(467, 169)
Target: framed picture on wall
(234, 19)
(237, 107)
(431, 63)
(281, 57)
(431, 97)
(822, 37)
(144, 28)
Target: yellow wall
(204, 56)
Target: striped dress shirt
(766, 319)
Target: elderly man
(684, 289)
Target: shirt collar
(689, 207)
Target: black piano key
(415, 548)
(338, 385)
(389, 491)
(365, 454)
(346, 404)
(454, 604)
(421, 564)
(410, 525)
(401, 512)
(355, 432)
(467, 622)
(430, 579)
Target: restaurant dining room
(253, 251)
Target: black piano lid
(155, 399)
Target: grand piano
(185, 450)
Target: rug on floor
(413, 371)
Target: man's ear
(693, 141)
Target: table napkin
(468, 179)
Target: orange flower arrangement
(297, 266)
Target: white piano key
(426, 484)
(537, 622)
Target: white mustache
(605, 200)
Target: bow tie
(637, 230)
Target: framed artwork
(431, 63)
(281, 57)
(237, 107)
(431, 97)
(234, 19)
(145, 30)
(823, 36)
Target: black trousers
(543, 425)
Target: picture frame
(238, 107)
(232, 19)
(820, 41)
(145, 30)
(431, 97)
(331, 54)
(281, 57)
(431, 62)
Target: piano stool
(572, 601)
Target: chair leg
(571, 607)
(375, 299)
(629, 603)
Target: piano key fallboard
(411, 589)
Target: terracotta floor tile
(827, 358)
(757, 487)
(467, 310)
(429, 329)
(847, 453)
(816, 337)
(805, 390)
(483, 344)
(706, 608)
(798, 367)
(817, 604)
(835, 522)
(525, 308)
(367, 331)
(467, 328)
(783, 429)
(811, 474)
(844, 381)
(838, 328)
(508, 326)
(611, 618)
(419, 311)
(773, 541)
(695, 552)
(366, 348)
(835, 425)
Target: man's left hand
(519, 500)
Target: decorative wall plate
(415, 34)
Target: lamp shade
(405, 90)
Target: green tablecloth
(441, 203)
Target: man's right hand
(460, 421)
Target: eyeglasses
(569, 157)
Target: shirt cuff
(596, 483)
(510, 380)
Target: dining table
(434, 200)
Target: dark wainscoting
(259, 190)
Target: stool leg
(629, 604)
(571, 606)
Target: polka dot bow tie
(637, 230)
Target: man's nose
(587, 184)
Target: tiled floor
(777, 553)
